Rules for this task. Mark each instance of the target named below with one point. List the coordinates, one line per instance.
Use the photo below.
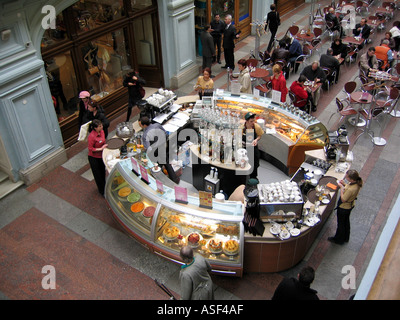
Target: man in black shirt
(329, 61)
(273, 22)
(217, 29)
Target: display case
(289, 131)
(164, 225)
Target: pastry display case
(289, 131)
(163, 225)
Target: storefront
(240, 10)
(95, 44)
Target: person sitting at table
(395, 31)
(331, 17)
(295, 50)
(384, 53)
(329, 61)
(362, 30)
(315, 73)
(279, 82)
(339, 49)
(280, 53)
(244, 77)
(302, 94)
(392, 43)
(368, 62)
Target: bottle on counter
(212, 173)
(222, 150)
(216, 174)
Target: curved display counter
(164, 225)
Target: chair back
(350, 86)
(327, 71)
(315, 42)
(317, 32)
(292, 96)
(394, 93)
(339, 105)
(252, 63)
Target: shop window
(63, 84)
(89, 15)
(223, 8)
(244, 9)
(106, 63)
(53, 37)
(144, 41)
(138, 5)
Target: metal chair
(349, 88)
(343, 111)
(293, 98)
(330, 76)
(301, 60)
(265, 88)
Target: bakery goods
(215, 245)
(193, 239)
(149, 211)
(231, 247)
(124, 192)
(171, 232)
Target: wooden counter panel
(252, 256)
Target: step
(3, 176)
(7, 186)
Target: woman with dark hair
(273, 22)
(349, 188)
(135, 84)
(204, 83)
(339, 48)
(244, 77)
(97, 112)
(84, 97)
(96, 145)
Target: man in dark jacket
(230, 36)
(134, 83)
(273, 22)
(316, 74)
(329, 61)
(280, 53)
(208, 48)
(297, 289)
(217, 29)
(362, 30)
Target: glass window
(106, 63)
(52, 37)
(91, 14)
(144, 41)
(223, 7)
(244, 6)
(63, 85)
(138, 5)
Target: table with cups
(292, 220)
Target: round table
(259, 73)
(357, 98)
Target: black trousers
(229, 58)
(217, 43)
(99, 173)
(343, 225)
(131, 104)
(271, 41)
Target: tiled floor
(63, 222)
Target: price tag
(181, 195)
(205, 199)
(144, 174)
(135, 166)
(160, 187)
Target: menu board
(205, 199)
(181, 195)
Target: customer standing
(244, 77)
(208, 48)
(273, 22)
(349, 190)
(96, 145)
(297, 289)
(97, 112)
(83, 107)
(135, 84)
(230, 36)
(196, 283)
(278, 81)
(217, 29)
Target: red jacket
(280, 85)
(300, 93)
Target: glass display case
(163, 225)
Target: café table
(305, 36)
(258, 74)
(387, 11)
(360, 98)
(353, 40)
